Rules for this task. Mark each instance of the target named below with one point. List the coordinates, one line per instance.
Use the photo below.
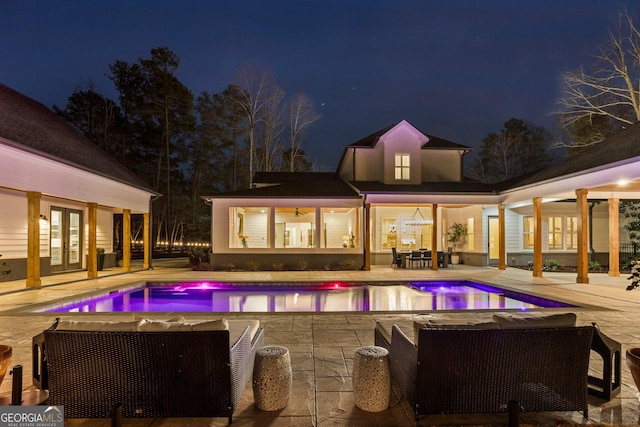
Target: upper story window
(402, 167)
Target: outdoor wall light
(43, 218)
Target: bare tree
(270, 144)
(258, 90)
(609, 91)
(301, 116)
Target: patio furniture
(610, 350)
(371, 378)
(272, 378)
(415, 256)
(179, 372)
(396, 261)
(459, 369)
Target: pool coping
(39, 308)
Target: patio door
(494, 241)
(66, 239)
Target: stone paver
(322, 346)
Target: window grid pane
(527, 234)
(402, 166)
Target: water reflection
(317, 297)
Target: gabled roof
(294, 184)
(620, 148)
(434, 142)
(28, 125)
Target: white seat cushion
(98, 325)
(510, 321)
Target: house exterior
(402, 188)
(58, 194)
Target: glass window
(339, 228)
(295, 227)
(402, 166)
(555, 232)
(471, 234)
(248, 227)
(572, 232)
(527, 232)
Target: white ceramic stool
(272, 378)
(371, 378)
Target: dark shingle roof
(624, 146)
(295, 184)
(30, 126)
(434, 142)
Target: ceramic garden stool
(272, 378)
(371, 378)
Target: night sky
(454, 69)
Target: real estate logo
(31, 416)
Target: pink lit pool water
(219, 297)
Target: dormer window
(402, 167)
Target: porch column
(614, 237)
(434, 237)
(33, 239)
(537, 237)
(146, 233)
(92, 257)
(367, 236)
(583, 241)
(502, 256)
(126, 240)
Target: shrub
(203, 266)
(348, 264)
(253, 265)
(595, 265)
(635, 275)
(277, 266)
(302, 265)
(552, 265)
(196, 256)
(228, 266)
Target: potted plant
(455, 235)
(100, 253)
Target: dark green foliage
(630, 209)
(635, 276)
(184, 148)
(517, 149)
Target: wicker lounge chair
(151, 374)
(454, 371)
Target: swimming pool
(223, 297)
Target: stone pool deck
(322, 345)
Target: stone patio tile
(334, 384)
(335, 337)
(339, 409)
(301, 361)
(285, 338)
